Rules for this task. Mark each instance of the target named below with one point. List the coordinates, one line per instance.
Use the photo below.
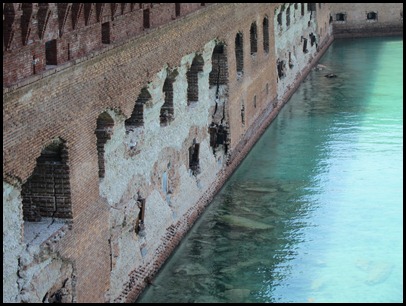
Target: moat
(314, 213)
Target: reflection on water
(314, 213)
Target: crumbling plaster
(159, 168)
(32, 269)
(12, 238)
(289, 39)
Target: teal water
(315, 211)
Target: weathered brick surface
(66, 101)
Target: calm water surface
(315, 211)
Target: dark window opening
(139, 223)
(267, 88)
(146, 18)
(312, 39)
(290, 60)
(8, 20)
(193, 80)
(50, 52)
(302, 9)
(311, 7)
(46, 193)
(242, 113)
(288, 17)
(137, 116)
(265, 30)
(194, 158)
(106, 33)
(280, 65)
(253, 38)
(239, 53)
(104, 130)
(218, 136)
(167, 109)
(279, 19)
(372, 16)
(340, 17)
(177, 9)
(331, 19)
(295, 6)
(305, 45)
(34, 62)
(319, 5)
(255, 101)
(202, 4)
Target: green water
(315, 211)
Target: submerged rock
(192, 269)
(237, 295)
(377, 271)
(245, 222)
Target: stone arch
(46, 193)
(192, 79)
(103, 132)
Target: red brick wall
(77, 28)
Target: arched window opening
(146, 21)
(280, 66)
(290, 60)
(104, 130)
(312, 39)
(193, 80)
(105, 32)
(8, 20)
(311, 7)
(167, 109)
(46, 193)
(177, 9)
(288, 17)
(265, 30)
(218, 75)
(139, 223)
(279, 19)
(51, 52)
(239, 54)
(254, 38)
(137, 116)
(305, 45)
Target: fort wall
(367, 19)
(114, 148)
